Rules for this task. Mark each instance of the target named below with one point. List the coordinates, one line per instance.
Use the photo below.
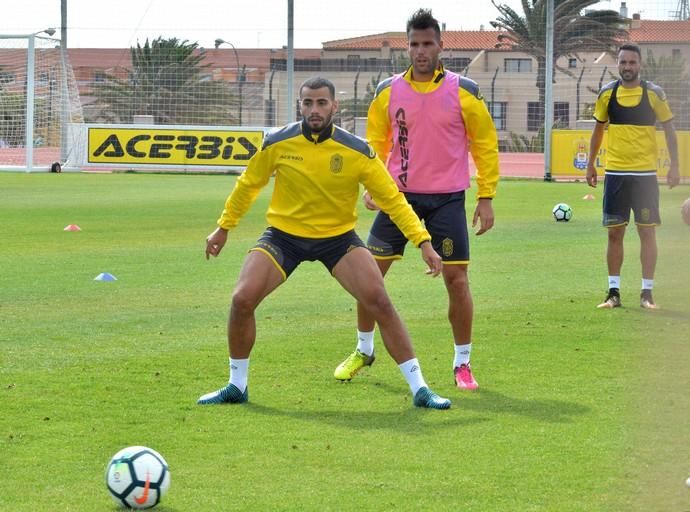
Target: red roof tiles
(452, 40)
(649, 31)
(661, 31)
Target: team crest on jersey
(645, 214)
(336, 163)
(447, 247)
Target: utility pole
(291, 62)
(548, 91)
(64, 104)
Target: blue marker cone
(105, 276)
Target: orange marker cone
(588, 197)
(72, 227)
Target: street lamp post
(238, 78)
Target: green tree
(574, 32)
(671, 74)
(169, 81)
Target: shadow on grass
(550, 411)
(670, 314)
(159, 508)
(349, 411)
(409, 421)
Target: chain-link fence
(167, 82)
(38, 98)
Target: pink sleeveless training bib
(429, 154)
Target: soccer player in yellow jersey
(424, 123)
(631, 108)
(318, 170)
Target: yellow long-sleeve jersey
(479, 126)
(317, 181)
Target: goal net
(38, 100)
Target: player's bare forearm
(594, 145)
(216, 241)
(484, 213)
(673, 176)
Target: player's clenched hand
(215, 242)
(485, 214)
(369, 202)
(432, 259)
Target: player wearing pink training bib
(424, 123)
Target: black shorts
(288, 251)
(623, 192)
(444, 218)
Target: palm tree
(168, 81)
(574, 32)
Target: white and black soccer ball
(562, 212)
(137, 477)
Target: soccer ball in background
(685, 211)
(562, 212)
(137, 477)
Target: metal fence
(173, 82)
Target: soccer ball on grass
(562, 212)
(137, 477)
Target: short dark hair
(632, 48)
(317, 82)
(422, 19)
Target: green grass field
(579, 410)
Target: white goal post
(38, 100)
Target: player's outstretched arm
(431, 258)
(215, 242)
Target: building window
(456, 63)
(99, 76)
(7, 77)
(499, 113)
(534, 121)
(572, 63)
(517, 65)
(675, 53)
(354, 62)
(561, 114)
